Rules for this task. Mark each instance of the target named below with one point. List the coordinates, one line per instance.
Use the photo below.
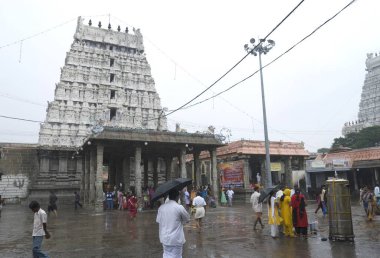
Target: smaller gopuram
(369, 107)
(106, 127)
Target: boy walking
(39, 229)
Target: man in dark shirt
(77, 200)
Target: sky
(309, 93)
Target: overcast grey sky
(310, 92)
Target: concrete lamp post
(263, 47)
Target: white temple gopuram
(106, 128)
(107, 81)
(369, 108)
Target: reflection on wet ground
(227, 232)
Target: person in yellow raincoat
(274, 219)
(286, 213)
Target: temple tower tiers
(369, 108)
(106, 80)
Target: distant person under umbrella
(171, 217)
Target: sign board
(318, 164)
(231, 174)
(275, 166)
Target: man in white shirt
(199, 203)
(257, 207)
(39, 229)
(377, 193)
(171, 217)
(230, 194)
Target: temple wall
(18, 166)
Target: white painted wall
(13, 187)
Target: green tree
(323, 150)
(367, 137)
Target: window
(112, 61)
(111, 47)
(112, 77)
(112, 113)
(113, 93)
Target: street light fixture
(263, 47)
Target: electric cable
(21, 119)
(274, 60)
(37, 34)
(233, 67)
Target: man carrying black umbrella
(171, 217)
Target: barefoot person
(39, 229)
(199, 203)
(257, 207)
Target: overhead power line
(274, 60)
(37, 34)
(235, 65)
(21, 119)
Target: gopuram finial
(118, 28)
(89, 22)
(100, 24)
(109, 26)
(126, 30)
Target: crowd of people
(286, 211)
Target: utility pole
(260, 48)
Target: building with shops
(105, 127)
(369, 107)
(360, 167)
(242, 164)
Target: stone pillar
(86, 177)
(99, 178)
(155, 172)
(44, 162)
(80, 174)
(146, 172)
(197, 168)
(168, 168)
(182, 162)
(127, 172)
(118, 172)
(138, 174)
(376, 175)
(301, 162)
(111, 173)
(246, 173)
(92, 176)
(62, 163)
(354, 175)
(288, 172)
(214, 175)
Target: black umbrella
(265, 193)
(166, 187)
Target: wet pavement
(227, 232)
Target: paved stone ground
(227, 232)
